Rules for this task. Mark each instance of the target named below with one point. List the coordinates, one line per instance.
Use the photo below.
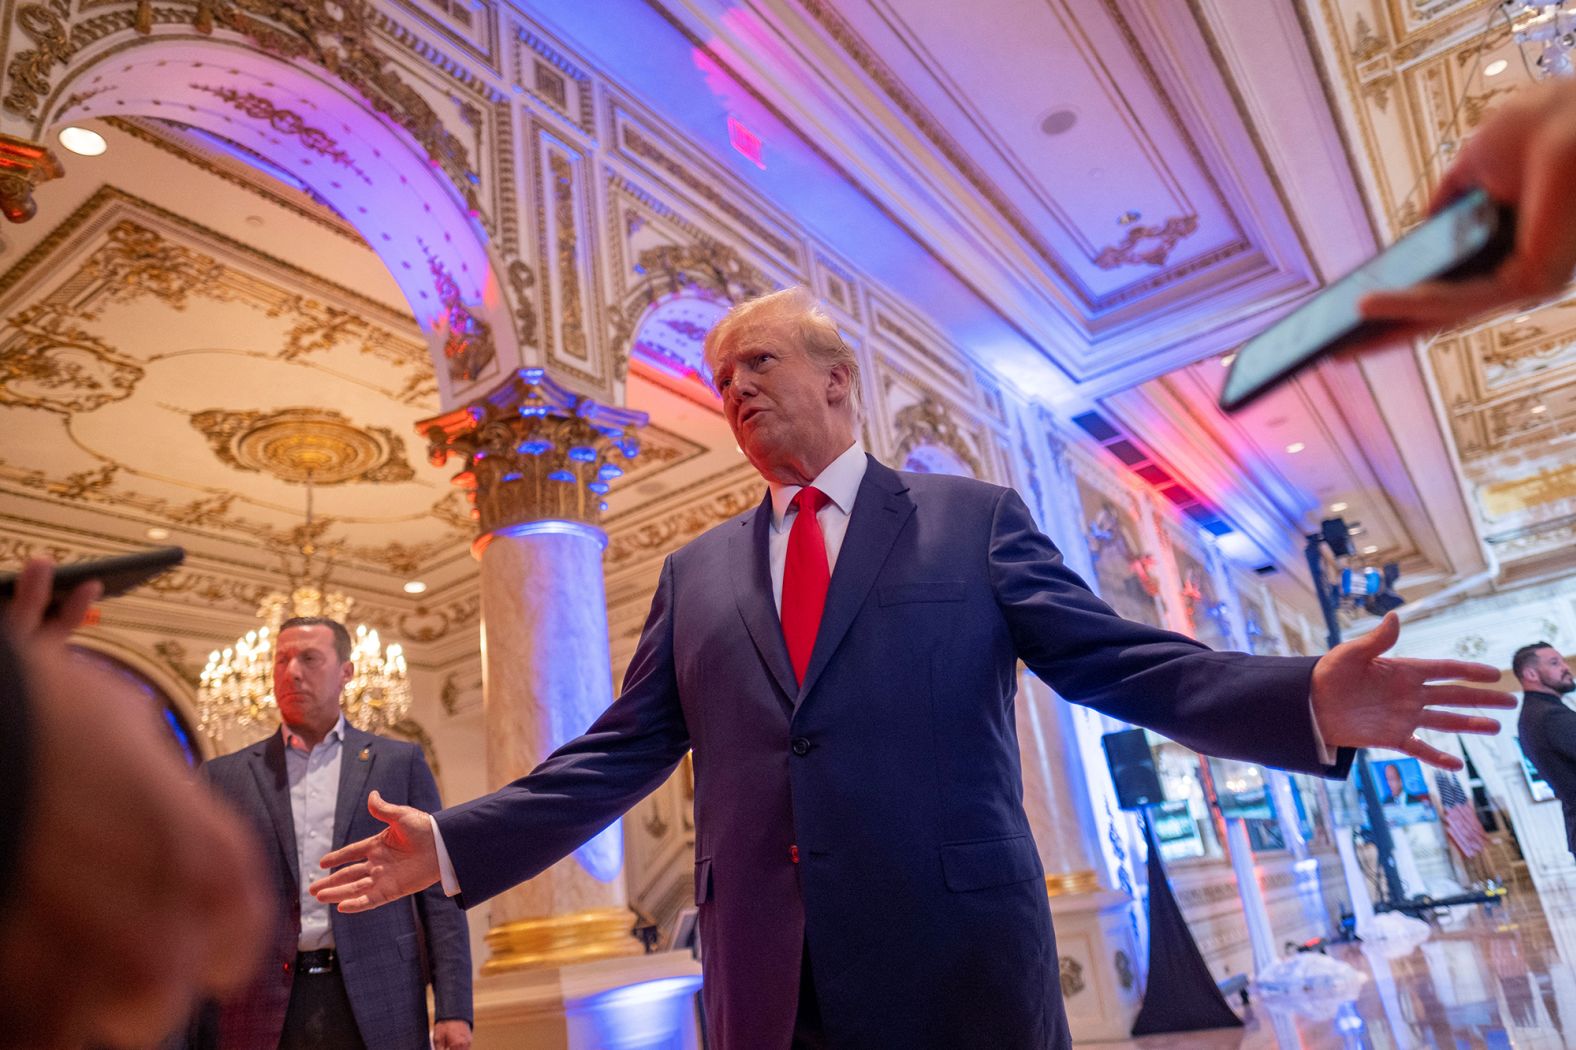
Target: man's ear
(839, 385)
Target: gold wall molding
(929, 423)
(334, 35)
(286, 122)
(642, 148)
(467, 337)
(669, 532)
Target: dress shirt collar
(295, 743)
(839, 482)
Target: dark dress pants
(808, 1032)
(319, 1016)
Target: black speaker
(1132, 768)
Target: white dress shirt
(839, 483)
(314, 794)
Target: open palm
(1361, 698)
(399, 860)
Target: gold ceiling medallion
(1147, 245)
(300, 444)
(23, 165)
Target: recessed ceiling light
(1058, 121)
(1372, 548)
(83, 142)
(1524, 318)
(1496, 67)
(1295, 447)
(415, 587)
(1336, 508)
(1225, 362)
(157, 533)
(1538, 410)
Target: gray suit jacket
(387, 955)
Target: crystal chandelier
(236, 691)
(1547, 27)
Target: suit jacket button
(801, 746)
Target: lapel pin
(366, 753)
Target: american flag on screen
(1461, 822)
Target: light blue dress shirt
(314, 794)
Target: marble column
(1054, 791)
(537, 462)
(1097, 953)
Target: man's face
(783, 406)
(308, 678)
(1549, 673)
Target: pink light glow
(745, 141)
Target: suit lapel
(273, 783)
(752, 589)
(880, 511)
(353, 773)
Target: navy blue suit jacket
(894, 768)
(388, 955)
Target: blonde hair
(792, 307)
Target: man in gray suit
(333, 979)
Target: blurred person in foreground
(126, 890)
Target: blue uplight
(561, 475)
(582, 454)
(534, 447)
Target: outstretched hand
(399, 860)
(1361, 698)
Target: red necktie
(805, 579)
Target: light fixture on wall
(237, 686)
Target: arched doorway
(309, 93)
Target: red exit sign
(746, 142)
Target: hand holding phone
(1470, 236)
(44, 597)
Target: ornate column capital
(23, 165)
(533, 452)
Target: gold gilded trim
(526, 944)
(1065, 884)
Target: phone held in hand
(118, 574)
(1470, 236)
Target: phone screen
(1454, 236)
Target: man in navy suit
(842, 661)
(333, 979)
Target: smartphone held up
(1470, 236)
